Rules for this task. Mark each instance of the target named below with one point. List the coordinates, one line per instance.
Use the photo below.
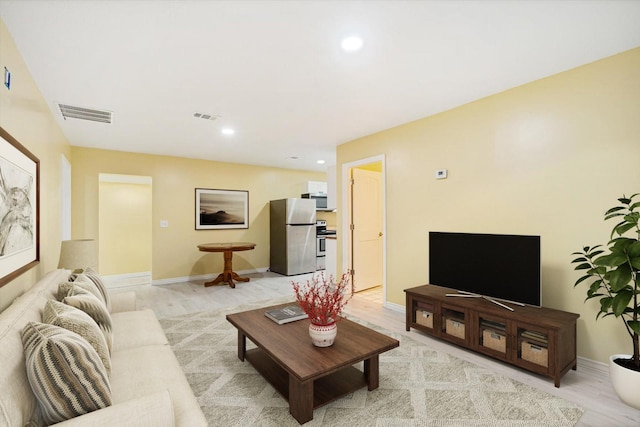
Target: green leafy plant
(614, 272)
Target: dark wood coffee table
(305, 375)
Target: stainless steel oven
(321, 243)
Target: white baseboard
(127, 280)
(393, 306)
(593, 367)
(204, 277)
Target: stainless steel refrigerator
(293, 236)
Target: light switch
(441, 174)
(164, 223)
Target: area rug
(419, 386)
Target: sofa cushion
(76, 320)
(153, 410)
(137, 329)
(87, 302)
(65, 372)
(123, 301)
(134, 375)
(84, 283)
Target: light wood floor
(586, 387)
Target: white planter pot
(323, 335)
(626, 382)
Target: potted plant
(323, 300)
(613, 275)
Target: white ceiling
(274, 70)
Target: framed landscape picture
(19, 208)
(221, 209)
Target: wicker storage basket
(494, 340)
(535, 353)
(455, 327)
(424, 318)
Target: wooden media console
(538, 339)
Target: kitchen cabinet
(315, 187)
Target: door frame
(346, 217)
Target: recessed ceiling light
(320, 162)
(228, 131)
(352, 43)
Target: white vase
(323, 335)
(626, 382)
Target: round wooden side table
(227, 275)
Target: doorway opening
(364, 246)
(124, 229)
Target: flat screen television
(500, 266)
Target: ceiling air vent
(205, 116)
(69, 111)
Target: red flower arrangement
(323, 300)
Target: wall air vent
(69, 111)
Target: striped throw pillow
(81, 282)
(93, 276)
(87, 302)
(65, 372)
(75, 320)
(97, 280)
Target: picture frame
(19, 208)
(221, 209)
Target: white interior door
(367, 228)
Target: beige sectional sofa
(147, 384)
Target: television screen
(493, 265)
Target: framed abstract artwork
(221, 209)
(19, 208)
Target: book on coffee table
(287, 314)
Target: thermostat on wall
(7, 78)
(441, 174)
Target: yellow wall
(547, 158)
(125, 228)
(373, 167)
(175, 252)
(26, 116)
